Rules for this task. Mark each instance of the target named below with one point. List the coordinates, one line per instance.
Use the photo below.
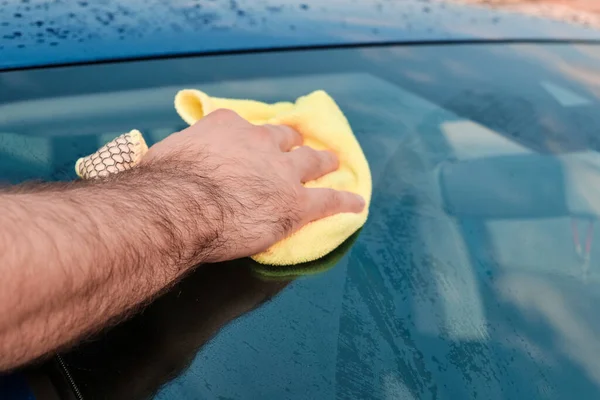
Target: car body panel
(47, 32)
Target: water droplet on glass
(274, 9)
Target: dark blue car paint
(47, 32)
(15, 387)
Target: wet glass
(476, 274)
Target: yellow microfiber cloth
(323, 264)
(324, 127)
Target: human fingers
(223, 116)
(285, 137)
(323, 202)
(311, 164)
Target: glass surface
(476, 275)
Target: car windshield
(475, 276)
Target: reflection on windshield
(135, 359)
(574, 335)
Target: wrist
(182, 212)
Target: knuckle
(332, 159)
(335, 199)
(302, 154)
(262, 133)
(314, 157)
(292, 208)
(301, 197)
(274, 129)
(224, 115)
(287, 163)
(326, 160)
(291, 135)
(286, 139)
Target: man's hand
(250, 179)
(75, 256)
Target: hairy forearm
(75, 256)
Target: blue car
(478, 271)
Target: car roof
(49, 33)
